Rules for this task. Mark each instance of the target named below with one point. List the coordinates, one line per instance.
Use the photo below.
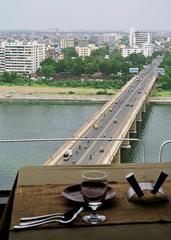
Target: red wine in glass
(94, 189)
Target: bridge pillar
(126, 143)
(144, 107)
(117, 157)
(147, 99)
(133, 128)
(139, 117)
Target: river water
(21, 120)
(153, 131)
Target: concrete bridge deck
(116, 119)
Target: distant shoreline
(57, 95)
(160, 100)
(53, 98)
(62, 99)
(50, 94)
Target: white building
(138, 38)
(139, 42)
(108, 38)
(21, 57)
(67, 42)
(148, 49)
(131, 32)
(125, 52)
(2, 58)
(85, 51)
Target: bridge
(115, 120)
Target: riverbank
(62, 95)
(52, 94)
(48, 94)
(56, 98)
(160, 100)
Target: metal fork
(23, 219)
(68, 217)
(55, 217)
(17, 227)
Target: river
(153, 131)
(21, 120)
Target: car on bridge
(67, 155)
(115, 120)
(101, 149)
(129, 104)
(96, 126)
(139, 90)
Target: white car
(101, 149)
(67, 154)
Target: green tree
(105, 67)
(137, 59)
(9, 77)
(90, 67)
(101, 52)
(48, 61)
(77, 67)
(165, 81)
(63, 66)
(47, 67)
(166, 60)
(48, 71)
(69, 53)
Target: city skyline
(85, 15)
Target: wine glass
(94, 189)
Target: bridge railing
(74, 139)
(161, 149)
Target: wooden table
(42, 175)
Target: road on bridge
(112, 121)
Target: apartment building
(2, 58)
(125, 52)
(67, 42)
(85, 51)
(108, 38)
(21, 57)
(146, 50)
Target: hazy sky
(85, 14)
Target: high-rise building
(138, 38)
(131, 32)
(2, 58)
(139, 42)
(21, 57)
